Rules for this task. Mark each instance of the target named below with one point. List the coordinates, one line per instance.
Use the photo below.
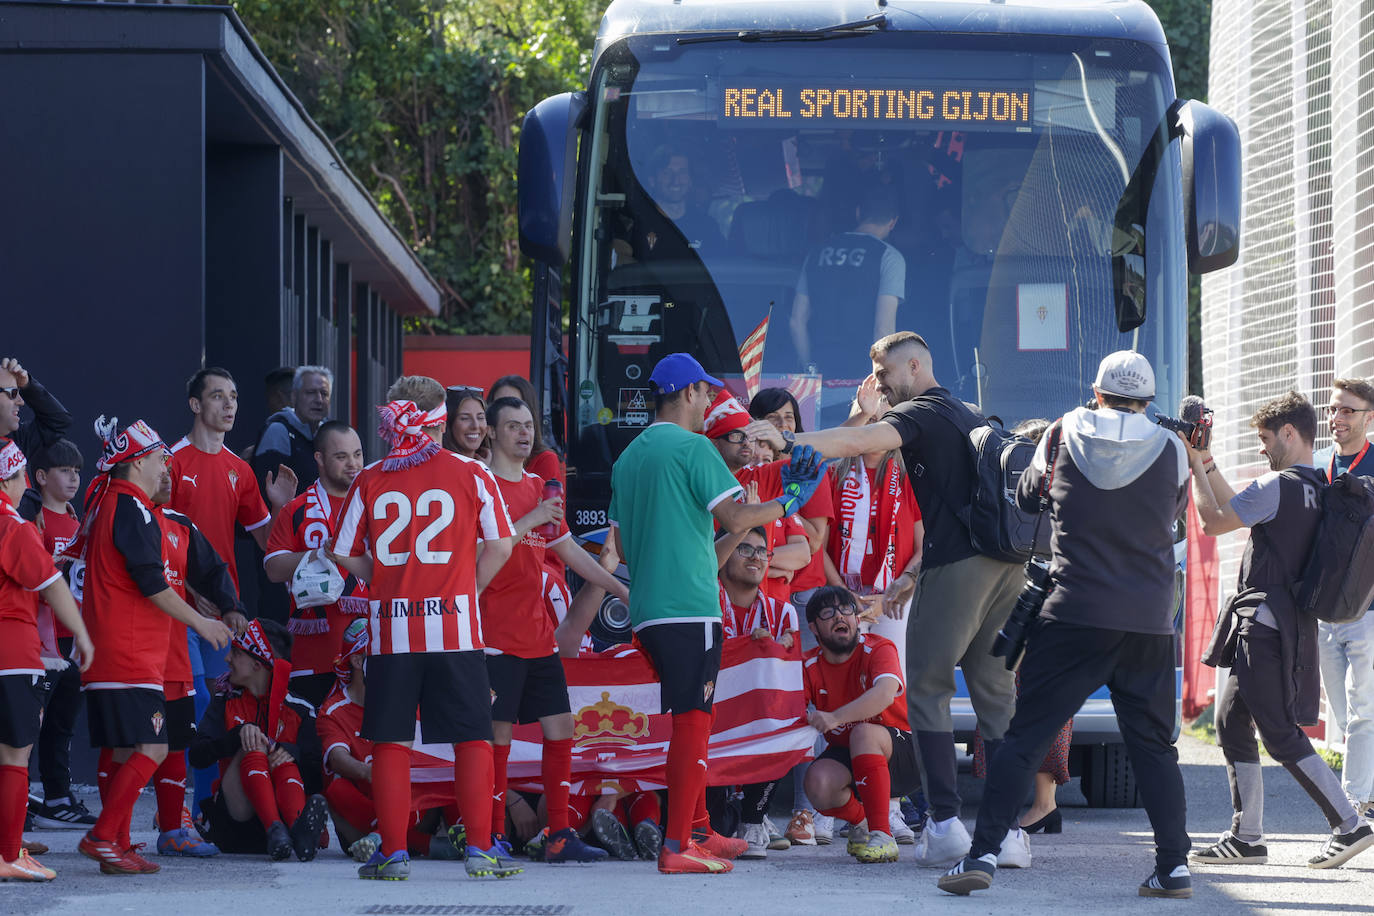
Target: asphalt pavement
(1094, 866)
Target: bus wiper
(876, 23)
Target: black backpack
(997, 527)
(1338, 579)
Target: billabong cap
(1126, 374)
(678, 370)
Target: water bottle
(552, 489)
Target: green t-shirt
(663, 488)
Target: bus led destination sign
(800, 105)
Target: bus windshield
(773, 208)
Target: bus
(1050, 196)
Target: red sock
(391, 793)
(169, 782)
(579, 809)
(104, 771)
(644, 806)
(500, 754)
(289, 792)
(686, 777)
(874, 783)
(255, 775)
(556, 769)
(851, 811)
(472, 784)
(121, 795)
(14, 803)
(351, 805)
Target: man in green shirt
(669, 487)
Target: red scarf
(312, 621)
(893, 543)
(352, 645)
(403, 427)
(777, 617)
(137, 440)
(254, 641)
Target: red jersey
(821, 505)
(515, 620)
(188, 559)
(779, 533)
(317, 633)
(58, 529)
(340, 724)
(26, 567)
(828, 687)
(422, 525)
(124, 568)
(215, 491)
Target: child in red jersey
(251, 729)
(26, 570)
(410, 529)
(855, 686)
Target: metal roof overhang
(246, 101)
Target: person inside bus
(668, 225)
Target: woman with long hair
(465, 431)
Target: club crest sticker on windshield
(888, 105)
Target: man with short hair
(50, 419)
(1267, 642)
(410, 529)
(667, 489)
(853, 681)
(1347, 649)
(289, 436)
(963, 597)
(304, 525)
(522, 655)
(128, 607)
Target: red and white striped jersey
(422, 525)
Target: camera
(1194, 422)
(1010, 642)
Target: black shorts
(686, 657)
(126, 716)
(450, 689)
(231, 836)
(527, 689)
(23, 697)
(313, 688)
(901, 766)
(181, 723)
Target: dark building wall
(105, 274)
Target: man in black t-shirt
(963, 597)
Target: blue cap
(678, 370)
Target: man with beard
(1267, 642)
(853, 681)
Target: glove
(800, 477)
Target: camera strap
(1054, 434)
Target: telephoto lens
(1010, 642)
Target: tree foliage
(424, 99)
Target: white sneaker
(941, 843)
(776, 840)
(756, 835)
(824, 828)
(1015, 850)
(903, 834)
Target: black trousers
(1064, 665)
(59, 721)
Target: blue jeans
(207, 664)
(1347, 664)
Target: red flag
(751, 355)
(1200, 616)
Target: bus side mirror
(548, 166)
(1211, 186)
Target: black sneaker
(305, 832)
(278, 841)
(69, 814)
(648, 840)
(1230, 851)
(1342, 847)
(1177, 883)
(968, 875)
(612, 836)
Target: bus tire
(1107, 780)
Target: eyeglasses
(847, 610)
(735, 437)
(750, 553)
(1345, 413)
(12, 393)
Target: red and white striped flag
(621, 739)
(751, 355)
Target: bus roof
(1127, 19)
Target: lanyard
(1331, 472)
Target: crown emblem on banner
(605, 722)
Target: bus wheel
(1107, 780)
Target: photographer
(1119, 483)
(1270, 646)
